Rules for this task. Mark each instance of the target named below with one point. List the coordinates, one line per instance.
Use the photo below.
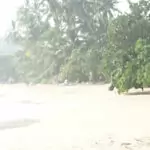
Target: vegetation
(7, 69)
(82, 40)
(129, 49)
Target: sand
(81, 117)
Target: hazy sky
(8, 10)
(7, 13)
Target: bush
(135, 73)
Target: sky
(8, 9)
(123, 6)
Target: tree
(62, 37)
(128, 49)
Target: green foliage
(82, 40)
(66, 38)
(128, 54)
(134, 73)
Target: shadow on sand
(17, 124)
(138, 93)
